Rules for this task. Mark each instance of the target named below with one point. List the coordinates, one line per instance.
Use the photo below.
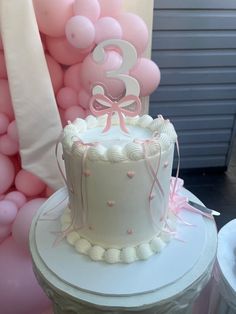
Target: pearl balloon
(107, 28)
(21, 225)
(3, 69)
(110, 7)
(52, 15)
(74, 112)
(4, 122)
(80, 32)
(87, 8)
(7, 173)
(28, 183)
(67, 97)
(93, 73)
(8, 146)
(72, 77)
(12, 131)
(56, 73)
(134, 31)
(147, 74)
(17, 197)
(63, 52)
(5, 99)
(8, 211)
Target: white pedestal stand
(167, 283)
(223, 296)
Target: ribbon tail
(108, 125)
(122, 122)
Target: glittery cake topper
(130, 104)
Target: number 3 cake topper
(130, 104)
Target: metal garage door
(194, 44)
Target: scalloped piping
(132, 150)
(125, 255)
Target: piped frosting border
(126, 255)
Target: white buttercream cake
(118, 187)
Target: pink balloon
(12, 131)
(134, 30)
(80, 32)
(8, 211)
(110, 7)
(63, 52)
(87, 8)
(28, 183)
(93, 73)
(16, 160)
(5, 99)
(84, 98)
(3, 69)
(17, 197)
(74, 112)
(22, 223)
(67, 97)
(107, 28)
(56, 73)
(20, 291)
(7, 173)
(4, 122)
(52, 15)
(8, 146)
(147, 74)
(72, 77)
(5, 231)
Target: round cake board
(160, 270)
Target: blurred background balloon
(147, 74)
(72, 77)
(52, 15)
(110, 7)
(56, 73)
(22, 223)
(67, 97)
(7, 173)
(80, 32)
(28, 183)
(5, 99)
(63, 52)
(134, 31)
(87, 8)
(20, 292)
(107, 28)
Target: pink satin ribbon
(101, 105)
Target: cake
(118, 185)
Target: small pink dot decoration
(166, 164)
(131, 174)
(130, 231)
(87, 173)
(110, 203)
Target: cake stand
(168, 282)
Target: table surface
(150, 292)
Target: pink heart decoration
(130, 174)
(110, 203)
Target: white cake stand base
(166, 283)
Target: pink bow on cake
(129, 106)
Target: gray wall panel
(194, 44)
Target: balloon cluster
(70, 30)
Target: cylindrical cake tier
(118, 204)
